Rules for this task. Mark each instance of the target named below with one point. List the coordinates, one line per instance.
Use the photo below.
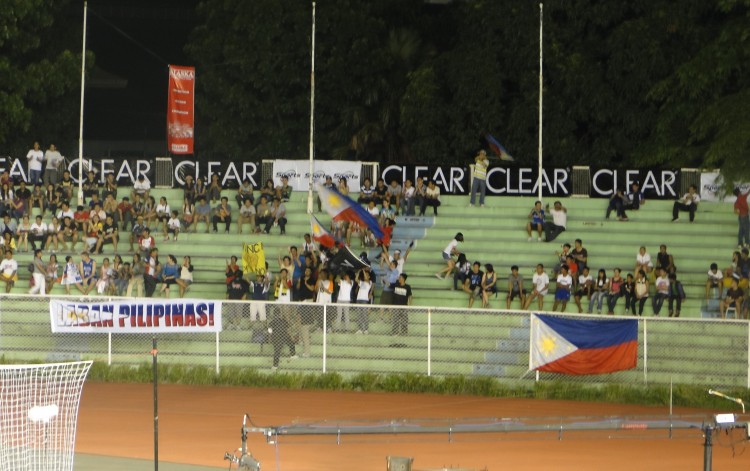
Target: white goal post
(38, 415)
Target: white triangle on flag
(546, 345)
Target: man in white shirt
(52, 159)
(247, 216)
(540, 280)
(38, 233)
(8, 271)
(559, 221)
(64, 212)
(141, 187)
(35, 157)
(689, 202)
(662, 291)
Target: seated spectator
(284, 191)
(72, 276)
(263, 215)
(553, 228)
(90, 185)
(245, 193)
(665, 260)
(188, 215)
(149, 211)
(473, 283)
(188, 189)
(676, 294)
(584, 288)
(489, 284)
(540, 281)
(641, 291)
(93, 232)
(203, 213)
(329, 185)
(66, 185)
(68, 233)
(689, 202)
(643, 261)
(124, 214)
(52, 273)
(408, 198)
(536, 221)
(52, 199)
(7, 242)
(734, 298)
(381, 192)
(169, 274)
(38, 233)
(562, 289)
(136, 231)
(431, 198)
(386, 212)
(108, 235)
(599, 290)
(24, 227)
(222, 214)
(277, 217)
(634, 197)
(146, 243)
(662, 291)
(214, 189)
(394, 194)
(110, 187)
(268, 190)
(247, 216)
(343, 186)
(53, 229)
(562, 257)
(163, 212)
(463, 267)
(141, 187)
(37, 198)
(580, 254)
(715, 280)
(173, 226)
(9, 270)
(110, 205)
(615, 290)
(628, 292)
(87, 269)
(186, 275)
(515, 288)
(617, 203)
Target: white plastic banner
(183, 315)
(712, 187)
(298, 172)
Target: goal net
(38, 415)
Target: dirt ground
(197, 425)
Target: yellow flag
(253, 259)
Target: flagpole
(80, 119)
(541, 88)
(312, 114)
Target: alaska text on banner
(181, 110)
(582, 346)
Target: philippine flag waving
(343, 208)
(320, 234)
(582, 346)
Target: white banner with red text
(136, 316)
(298, 173)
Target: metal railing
(361, 338)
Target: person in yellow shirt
(479, 177)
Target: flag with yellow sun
(582, 346)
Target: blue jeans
(35, 176)
(478, 185)
(743, 236)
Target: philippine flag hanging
(582, 346)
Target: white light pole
(312, 115)
(80, 122)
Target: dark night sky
(159, 30)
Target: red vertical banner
(181, 109)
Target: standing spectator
(536, 221)
(662, 291)
(280, 326)
(365, 295)
(72, 276)
(324, 295)
(152, 269)
(676, 294)
(402, 296)
(223, 214)
(599, 291)
(53, 161)
(715, 280)
(473, 283)
(137, 270)
(585, 283)
(489, 284)
(449, 252)
(431, 198)
(35, 157)
(641, 291)
(559, 222)
(615, 290)
(665, 260)
(743, 220)
(259, 289)
(39, 275)
(562, 289)
(186, 275)
(344, 296)
(479, 178)
(689, 202)
(540, 280)
(9, 271)
(390, 278)
(515, 288)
